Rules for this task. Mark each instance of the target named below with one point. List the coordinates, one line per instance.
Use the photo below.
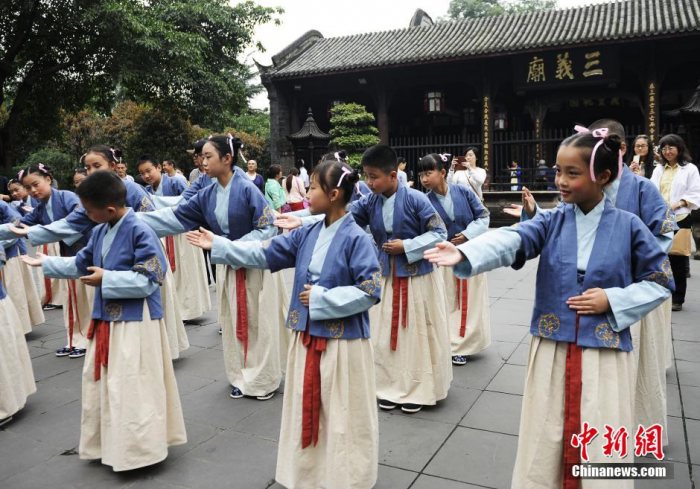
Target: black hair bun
(613, 143)
(353, 177)
(117, 153)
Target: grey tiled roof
(618, 20)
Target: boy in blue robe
(131, 409)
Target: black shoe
(386, 405)
(411, 408)
(236, 393)
(676, 307)
(4, 421)
(459, 360)
(50, 307)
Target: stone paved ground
(467, 441)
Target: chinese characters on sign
(486, 125)
(567, 67)
(592, 65)
(564, 67)
(651, 112)
(647, 441)
(536, 72)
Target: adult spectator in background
(121, 172)
(303, 173)
(273, 190)
(679, 183)
(197, 159)
(466, 171)
(642, 161)
(294, 188)
(254, 176)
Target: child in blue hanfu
(54, 205)
(600, 271)
(74, 226)
(466, 218)
(329, 433)
(131, 409)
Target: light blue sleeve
(52, 233)
(478, 226)
(338, 302)
(246, 254)
(415, 247)
(630, 304)
(161, 201)
(487, 252)
(311, 219)
(60, 267)
(665, 241)
(300, 213)
(126, 284)
(5, 232)
(162, 221)
(260, 234)
(6, 243)
(523, 215)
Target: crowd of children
(370, 318)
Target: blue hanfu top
(462, 211)
(345, 283)
(237, 211)
(133, 270)
(606, 248)
(13, 246)
(77, 224)
(168, 187)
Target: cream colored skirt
(649, 339)
(268, 302)
(58, 287)
(346, 455)
(16, 375)
(607, 397)
(132, 414)
(477, 334)
(78, 310)
(17, 278)
(190, 280)
(419, 371)
(175, 328)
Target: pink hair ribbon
(602, 135)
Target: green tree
(353, 129)
(61, 164)
(472, 9)
(68, 54)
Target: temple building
(512, 85)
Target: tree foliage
(353, 129)
(472, 9)
(175, 55)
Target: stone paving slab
(467, 441)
